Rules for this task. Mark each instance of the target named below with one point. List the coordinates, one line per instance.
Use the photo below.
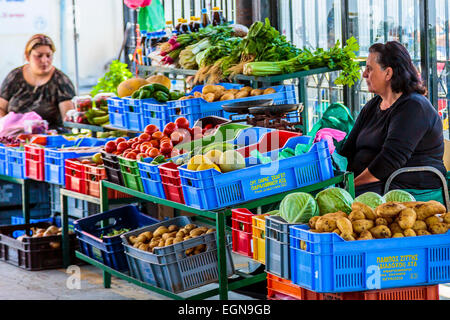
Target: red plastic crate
(34, 162)
(241, 220)
(93, 176)
(170, 177)
(75, 176)
(271, 141)
(282, 289)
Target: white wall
(99, 25)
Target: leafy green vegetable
(399, 196)
(371, 199)
(117, 73)
(298, 208)
(333, 200)
(115, 232)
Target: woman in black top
(398, 128)
(38, 86)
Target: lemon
(214, 156)
(207, 166)
(196, 161)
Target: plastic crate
(283, 289)
(271, 141)
(134, 115)
(259, 237)
(34, 165)
(37, 211)
(109, 250)
(210, 189)
(241, 224)
(277, 247)
(151, 178)
(54, 160)
(3, 161)
(169, 268)
(16, 163)
(56, 220)
(171, 182)
(211, 120)
(130, 173)
(112, 167)
(55, 199)
(11, 193)
(330, 264)
(81, 208)
(155, 113)
(116, 112)
(33, 254)
(94, 175)
(75, 176)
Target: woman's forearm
(64, 107)
(365, 178)
(3, 107)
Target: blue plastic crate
(16, 220)
(16, 163)
(109, 250)
(155, 113)
(54, 160)
(11, 193)
(3, 161)
(37, 211)
(210, 189)
(134, 117)
(151, 178)
(331, 264)
(116, 113)
(169, 268)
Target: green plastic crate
(131, 174)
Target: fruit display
(82, 103)
(214, 93)
(94, 112)
(128, 87)
(388, 220)
(167, 236)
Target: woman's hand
(365, 178)
(64, 107)
(3, 107)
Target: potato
(189, 227)
(197, 232)
(168, 235)
(337, 231)
(336, 215)
(40, 231)
(432, 220)
(428, 209)
(347, 237)
(210, 230)
(137, 244)
(316, 231)
(227, 96)
(381, 232)
(148, 234)
(409, 233)
(241, 94)
(381, 222)
(153, 245)
(198, 95)
(419, 225)
(423, 233)
(48, 233)
(303, 245)
(141, 238)
(395, 228)
(270, 91)
(389, 209)
(356, 215)
(344, 225)
(161, 243)
(189, 251)
(362, 225)
(209, 97)
(143, 247)
(55, 245)
(368, 211)
(439, 228)
(389, 220)
(169, 242)
(160, 231)
(173, 228)
(132, 239)
(366, 235)
(256, 92)
(326, 224)
(312, 222)
(209, 89)
(233, 91)
(180, 234)
(187, 238)
(446, 217)
(201, 247)
(406, 218)
(398, 235)
(411, 204)
(52, 230)
(248, 89)
(177, 240)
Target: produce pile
(41, 233)
(214, 93)
(90, 110)
(167, 236)
(221, 52)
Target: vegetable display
(333, 200)
(213, 93)
(298, 208)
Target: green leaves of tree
(118, 72)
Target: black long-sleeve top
(408, 134)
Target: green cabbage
(399, 196)
(371, 199)
(333, 200)
(298, 208)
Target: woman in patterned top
(38, 86)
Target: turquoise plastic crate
(331, 264)
(210, 189)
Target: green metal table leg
(350, 183)
(106, 279)
(26, 200)
(65, 231)
(104, 206)
(222, 257)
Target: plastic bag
(13, 123)
(151, 18)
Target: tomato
(121, 147)
(182, 123)
(169, 128)
(135, 145)
(176, 137)
(165, 139)
(119, 140)
(154, 143)
(144, 137)
(141, 156)
(131, 155)
(158, 135)
(143, 148)
(151, 129)
(153, 152)
(110, 147)
(166, 148)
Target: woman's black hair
(406, 78)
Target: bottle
(191, 24)
(205, 18)
(217, 17)
(178, 26)
(185, 26)
(169, 28)
(162, 37)
(197, 25)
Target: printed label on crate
(404, 268)
(97, 253)
(268, 183)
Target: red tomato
(144, 137)
(141, 156)
(110, 147)
(182, 123)
(158, 135)
(135, 145)
(153, 152)
(151, 129)
(166, 148)
(154, 143)
(119, 140)
(143, 148)
(131, 155)
(169, 128)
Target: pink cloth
(328, 135)
(14, 123)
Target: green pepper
(158, 160)
(161, 96)
(176, 95)
(149, 87)
(135, 94)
